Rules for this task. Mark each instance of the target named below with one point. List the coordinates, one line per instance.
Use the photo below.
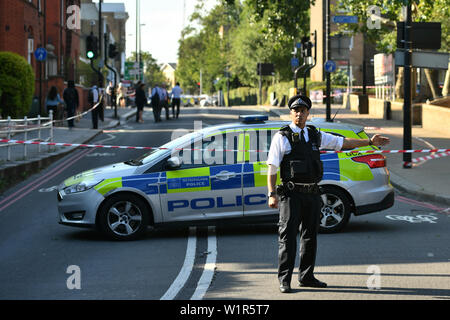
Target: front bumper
(79, 209)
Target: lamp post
(141, 75)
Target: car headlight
(81, 186)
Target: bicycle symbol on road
(417, 219)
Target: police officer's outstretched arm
(377, 140)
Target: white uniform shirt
(176, 92)
(280, 144)
(95, 93)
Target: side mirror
(173, 163)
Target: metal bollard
(51, 128)
(39, 132)
(25, 120)
(8, 157)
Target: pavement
(426, 180)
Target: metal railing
(27, 130)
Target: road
(399, 253)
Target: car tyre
(335, 210)
(123, 217)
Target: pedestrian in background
(141, 101)
(52, 102)
(71, 98)
(109, 93)
(295, 149)
(93, 99)
(121, 95)
(165, 100)
(156, 103)
(176, 99)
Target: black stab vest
(302, 164)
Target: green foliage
(153, 74)
(339, 77)
(85, 73)
(16, 85)
(243, 96)
(235, 36)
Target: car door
(255, 171)
(205, 186)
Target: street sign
(423, 59)
(294, 62)
(40, 54)
(345, 19)
(266, 69)
(424, 35)
(330, 66)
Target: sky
(163, 21)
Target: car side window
(208, 151)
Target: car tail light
(372, 160)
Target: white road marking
(186, 269)
(210, 266)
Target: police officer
(295, 150)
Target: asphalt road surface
(400, 253)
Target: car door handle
(225, 175)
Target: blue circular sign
(40, 54)
(330, 66)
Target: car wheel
(123, 217)
(335, 210)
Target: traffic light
(304, 49)
(112, 50)
(91, 47)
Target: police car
(218, 175)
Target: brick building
(28, 24)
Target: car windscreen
(156, 153)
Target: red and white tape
(62, 144)
(430, 157)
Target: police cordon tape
(62, 144)
(74, 117)
(430, 157)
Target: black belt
(301, 187)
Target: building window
(30, 49)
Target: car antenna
(336, 113)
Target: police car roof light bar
(253, 118)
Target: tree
(152, 71)
(235, 36)
(17, 85)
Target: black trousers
(176, 102)
(298, 212)
(156, 112)
(95, 116)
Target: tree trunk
(446, 88)
(430, 75)
(399, 83)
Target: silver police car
(214, 176)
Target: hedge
(16, 85)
